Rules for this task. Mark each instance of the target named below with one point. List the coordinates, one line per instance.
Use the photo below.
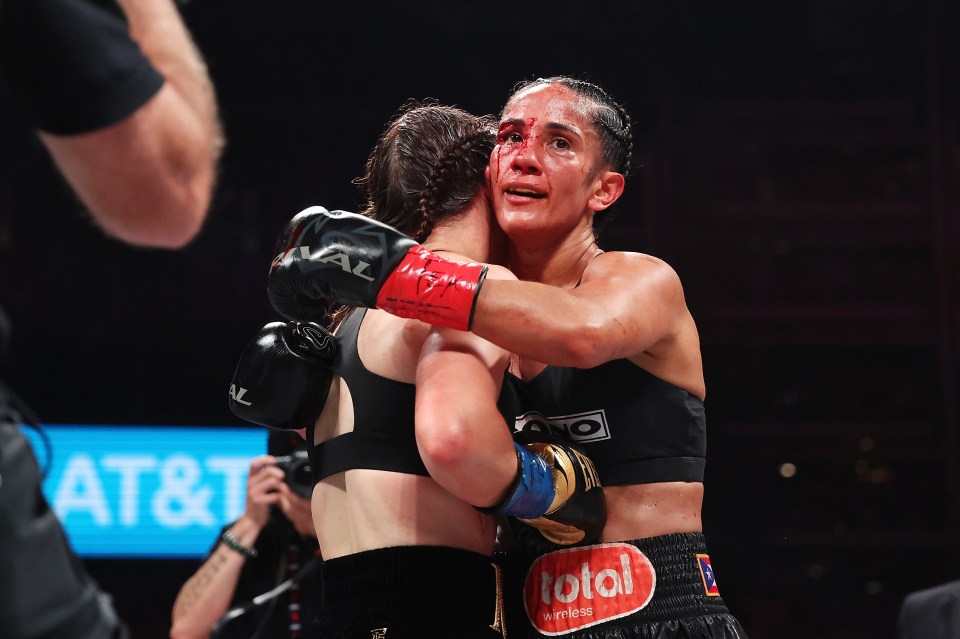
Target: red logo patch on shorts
(576, 588)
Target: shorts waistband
(682, 589)
(686, 586)
(446, 584)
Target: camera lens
(298, 474)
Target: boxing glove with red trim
(323, 258)
(283, 375)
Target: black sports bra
(636, 427)
(383, 435)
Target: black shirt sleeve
(72, 64)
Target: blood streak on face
(547, 148)
(519, 149)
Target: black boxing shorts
(655, 588)
(420, 592)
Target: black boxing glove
(283, 375)
(326, 257)
(556, 493)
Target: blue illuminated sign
(141, 491)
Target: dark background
(797, 163)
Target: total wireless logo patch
(576, 588)
(581, 428)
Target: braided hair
(428, 164)
(464, 160)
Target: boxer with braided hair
(609, 357)
(625, 378)
(612, 124)
(401, 505)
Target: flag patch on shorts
(709, 579)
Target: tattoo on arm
(197, 585)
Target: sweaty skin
(546, 186)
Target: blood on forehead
(552, 101)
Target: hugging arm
(626, 304)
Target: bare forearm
(628, 304)
(157, 27)
(206, 596)
(538, 322)
(462, 438)
(472, 456)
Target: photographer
(273, 541)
